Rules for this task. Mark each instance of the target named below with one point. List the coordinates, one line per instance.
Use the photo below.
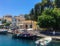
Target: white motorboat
(43, 41)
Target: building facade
(21, 23)
(28, 24)
(8, 18)
(16, 20)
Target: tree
(35, 12)
(57, 3)
(50, 19)
(7, 24)
(46, 20)
(56, 15)
(3, 21)
(27, 17)
(31, 15)
(39, 8)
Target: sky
(16, 7)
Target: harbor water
(7, 40)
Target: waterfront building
(13, 25)
(28, 24)
(20, 18)
(16, 20)
(21, 23)
(8, 18)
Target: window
(19, 20)
(30, 26)
(26, 26)
(20, 26)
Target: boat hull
(24, 36)
(44, 41)
(3, 32)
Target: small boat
(44, 41)
(24, 36)
(3, 31)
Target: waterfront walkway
(41, 35)
(54, 37)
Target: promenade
(39, 34)
(53, 37)
(42, 35)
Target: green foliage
(3, 21)
(57, 3)
(46, 20)
(27, 17)
(39, 8)
(56, 14)
(7, 24)
(50, 19)
(1, 27)
(31, 15)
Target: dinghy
(44, 41)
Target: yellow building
(28, 24)
(19, 18)
(8, 18)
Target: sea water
(7, 40)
